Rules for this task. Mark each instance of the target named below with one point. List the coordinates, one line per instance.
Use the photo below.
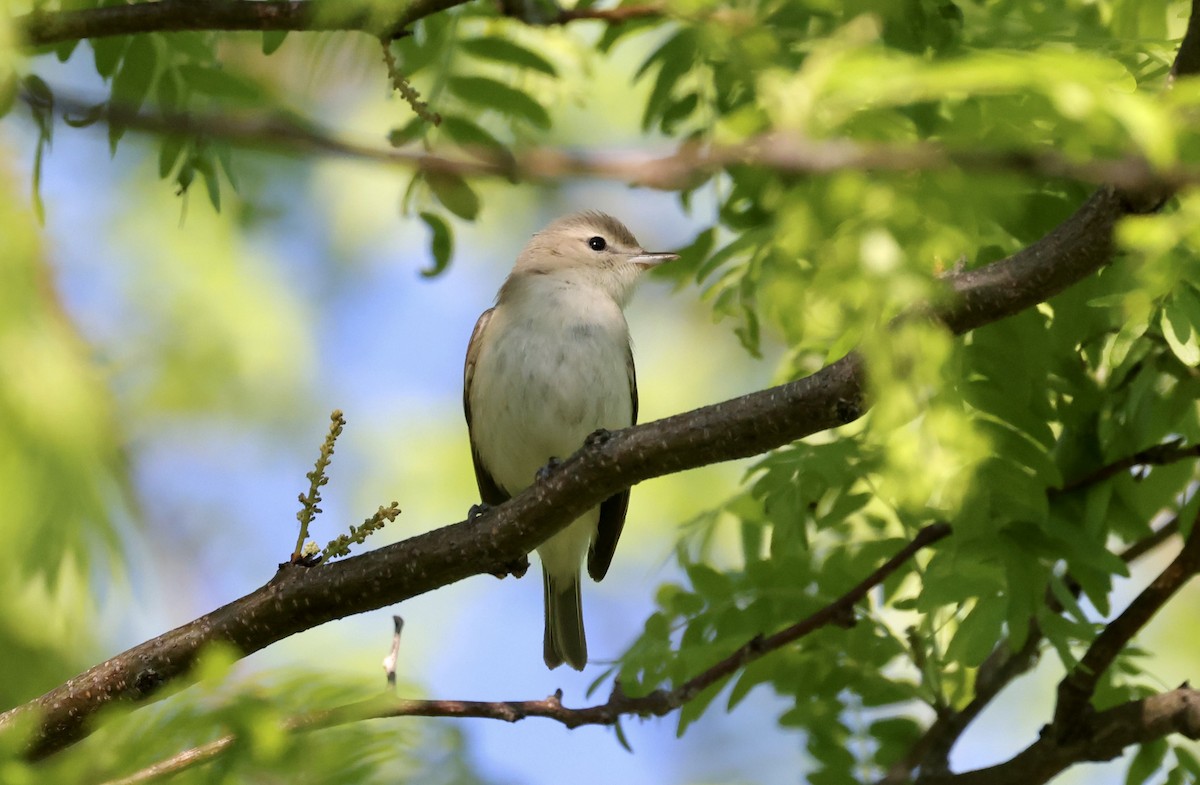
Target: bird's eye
(597, 243)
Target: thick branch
(41, 28)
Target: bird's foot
(597, 438)
(544, 473)
(477, 510)
(516, 568)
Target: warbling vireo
(548, 365)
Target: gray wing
(489, 491)
(612, 509)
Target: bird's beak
(645, 260)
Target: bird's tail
(564, 640)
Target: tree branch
(932, 751)
(1111, 731)
(1071, 714)
(1079, 733)
(656, 704)
(687, 167)
(1158, 455)
(41, 28)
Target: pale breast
(543, 386)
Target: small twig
(340, 546)
(316, 478)
(658, 703)
(389, 662)
(1158, 455)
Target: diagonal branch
(931, 752)
(1073, 710)
(1158, 455)
(656, 704)
(1078, 733)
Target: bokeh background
(226, 339)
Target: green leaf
(491, 94)
(455, 193)
(476, 140)
(1180, 334)
(502, 50)
(64, 50)
(441, 244)
(677, 56)
(272, 40)
(88, 117)
(8, 93)
(168, 154)
(978, 633)
(1146, 762)
(413, 129)
(108, 53)
(204, 165)
(132, 83)
(38, 91)
(219, 83)
(167, 91)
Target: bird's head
(588, 249)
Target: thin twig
(657, 703)
(317, 478)
(1158, 455)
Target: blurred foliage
(980, 431)
(222, 704)
(63, 474)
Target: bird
(548, 365)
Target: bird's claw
(516, 568)
(477, 510)
(544, 473)
(597, 437)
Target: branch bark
(44, 28)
